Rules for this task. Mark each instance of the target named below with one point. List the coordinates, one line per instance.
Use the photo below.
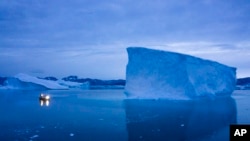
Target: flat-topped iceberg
(161, 74)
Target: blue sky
(89, 38)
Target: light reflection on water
(44, 99)
(105, 115)
(44, 102)
(71, 115)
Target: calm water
(105, 115)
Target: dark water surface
(105, 115)
(70, 115)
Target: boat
(44, 97)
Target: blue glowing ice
(161, 74)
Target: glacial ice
(45, 83)
(162, 74)
(69, 84)
(24, 81)
(15, 83)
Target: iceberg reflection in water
(180, 120)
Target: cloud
(110, 61)
(54, 35)
(63, 23)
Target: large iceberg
(162, 74)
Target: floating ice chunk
(71, 134)
(161, 74)
(35, 136)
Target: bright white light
(47, 97)
(41, 102)
(44, 99)
(47, 102)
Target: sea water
(106, 115)
(70, 115)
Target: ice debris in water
(35, 136)
(71, 134)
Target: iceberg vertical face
(160, 74)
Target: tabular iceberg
(161, 74)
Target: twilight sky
(89, 38)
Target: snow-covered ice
(161, 74)
(70, 84)
(15, 83)
(24, 81)
(46, 83)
